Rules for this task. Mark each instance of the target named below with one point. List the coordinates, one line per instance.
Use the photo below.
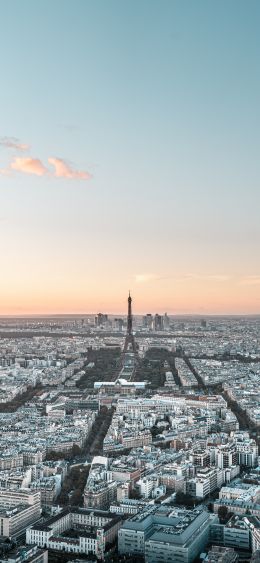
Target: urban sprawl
(130, 439)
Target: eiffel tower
(130, 339)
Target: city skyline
(129, 147)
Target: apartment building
(100, 495)
(18, 509)
(94, 531)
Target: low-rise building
(18, 509)
(219, 554)
(76, 531)
(163, 534)
(100, 495)
(31, 554)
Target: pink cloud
(29, 166)
(64, 170)
(13, 143)
(60, 168)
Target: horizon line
(124, 314)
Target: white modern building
(164, 534)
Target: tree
(222, 512)
(186, 499)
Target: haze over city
(129, 156)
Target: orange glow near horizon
(184, 296)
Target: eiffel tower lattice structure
(130, 344)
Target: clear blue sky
(159, 102)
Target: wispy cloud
(71, 127)
(13, 143)
(35, 166)
(207, 277)
(250, 280)
(29, 166)
(144, 278)
(64, 170)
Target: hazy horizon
(124, 314)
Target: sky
(129, 156)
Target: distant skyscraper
(119, 323)
(166, 322)
(158, 322)
(148, 321)
(101, 320)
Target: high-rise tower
(130, 339)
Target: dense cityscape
(130, 438)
